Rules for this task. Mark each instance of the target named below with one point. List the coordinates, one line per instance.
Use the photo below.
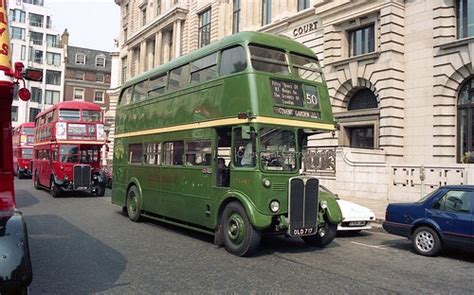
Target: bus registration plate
(299, 232)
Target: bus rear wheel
(240, 238)
(133, 204)
(36, 181)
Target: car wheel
(426, 241)
(330, 231)
(36, 181)
(20, 175)
(100, 190)
(240, 238)
(133, 204)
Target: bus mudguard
(257, 219)
(333, 212)
(15, 270)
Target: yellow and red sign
(5, 57)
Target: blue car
(443, 218)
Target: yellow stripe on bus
(231, 121)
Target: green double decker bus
(214, 141)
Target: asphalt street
(83, 245)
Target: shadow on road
(25, 199)
(62, 253)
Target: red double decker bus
(23, 138)
(68, 139)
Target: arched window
(362, 99)
(466, 122)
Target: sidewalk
(378, 206)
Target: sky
(91, 24)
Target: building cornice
(286, 21)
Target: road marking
(370, 246)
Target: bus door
(197, 181)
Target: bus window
(140, 91)
(204, 69)
(152, 153)
(126, 97)
(135, 153)
(173, 153)
(179, 78)
(91, 116)
(233, 60)
(157, 85)
(277, 149)
(244, 149)
(198, 153)
(268, 60)
(90, 155)
(69, 115)
(306, 67)
(69, 153)
(27, 153)
(28, 131)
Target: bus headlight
(324, 204)
(66, 177)
(274, 206)
(267, 183)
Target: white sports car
(354, 217)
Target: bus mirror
(33, 75)
(246, 132)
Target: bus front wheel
(240, 238)
(36, 181)
(53, 189)
(329, 233)
(133, 204)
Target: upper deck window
(179, 78)
(157, 85)
(140, 91)
(233, 60)
(204, 69)
(268, 60)
(91, 116)
(126, 97)
(305, 67)
(69, 115)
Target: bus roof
(74, 105)
(239, 38)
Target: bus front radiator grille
(303, 195)
(82, 177)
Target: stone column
(142, 61)
(158, 48)
(177, 39)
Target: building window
(99, 96)
(466, 122)
(53, 58)
(51, 97)
(14, 113)
(236, 17)
(36, 94)
(363, 99)
(303, 4)
(36, 38)
(205, 28)
(79, 93)
(124, 69)
(80, 59)
(53, 77)
(17, 15)
(362, 41)
(33, 113)
(36, 20)
(52, 41)
(158, 7)
(23, 52)
(100, 61)
(34, 2)
(99, 77)
(361, 137)
(125, 35)
(79, 75)
(266, 12)
(38, 56)
(465, 18)
(17, 33)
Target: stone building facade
(400, 76)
